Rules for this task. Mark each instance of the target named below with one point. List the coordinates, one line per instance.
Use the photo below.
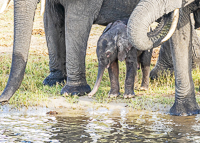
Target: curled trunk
(144, 15)
(23, 22)
(101, 70)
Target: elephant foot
(126, 96)
(112, 95)
(153, 76)
(4, 100)
(6, 95)
(185, 107)
(55, 77)
(76, 90)
(143, 88)
(129, 95)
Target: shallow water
(96, 125)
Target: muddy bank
(62, 106)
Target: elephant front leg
(131, 71)
(145, 65)
(55, 37)
(113, 71)
(79, 17)
(185, 101)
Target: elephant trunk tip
(5, 96)
(92, 92)
(98, 81)
(96, 86)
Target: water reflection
(96, 125)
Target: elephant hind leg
(145, 59)
(55, 36)
(164, 64)
(131, 71)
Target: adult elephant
(67, 27)
(180, 43)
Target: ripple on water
(96, 125)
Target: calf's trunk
(101, 70)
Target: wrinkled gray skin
(165, 64)
(113, 45)
(180, 46)
(67, 27)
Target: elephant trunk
(101, 70)
(147, 12)
(23, 23)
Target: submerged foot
(185, 107)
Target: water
(96, 125)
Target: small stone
(52, 113)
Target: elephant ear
(123, 48)
(107, 27)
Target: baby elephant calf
(113, 45)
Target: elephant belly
(113, 10)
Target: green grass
(32, 90)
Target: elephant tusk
(173, 26)
(42, 7)
(5, 4)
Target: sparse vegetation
(32, 90)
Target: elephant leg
(164, 62)
(79, 17)
(185, 101)
(131, 71)
(136, 85)
(145, 65)
(55, 37)
(113, 71)
(195, 47)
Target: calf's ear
(123, 48)
(107, 27)
(122, 55)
